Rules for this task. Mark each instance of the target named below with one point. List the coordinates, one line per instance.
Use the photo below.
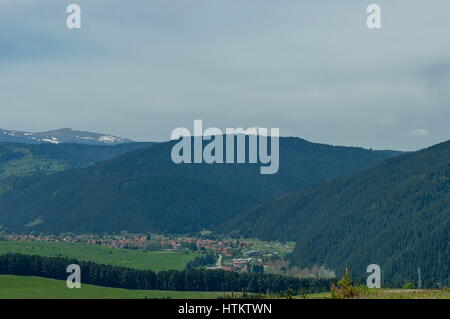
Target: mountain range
(65, 135)
(143, 190)
(344, 206)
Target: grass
(22, 287)
(270, 247)
(30, 163)
(154, 260)
(406, 294)
(394, 294)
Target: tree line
(202, 261)
(177, 280)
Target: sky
(312, 68)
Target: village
(239, 255)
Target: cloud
(312, 68)
(420, 132)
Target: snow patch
(109, 139)
(52, 140)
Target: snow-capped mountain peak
(65, 135)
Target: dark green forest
(22, 160)
(176, 280)
(395, 214)
(143, 190)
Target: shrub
(409, 285)
(344, 288)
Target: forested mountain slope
(17, 160)
(143, 190)
(395, 214)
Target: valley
(143, 190)
(157, 252)
(129, 205)
(154, 260)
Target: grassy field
(154, 260)
(394, 294)
(22, 287)
(27, 164)
(270, 247)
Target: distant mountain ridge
(143, 190)
(64, 135)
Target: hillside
(17, 160)
(395, 214)
(27, 287)
(132, 258)
(143, 190)
(64, 135)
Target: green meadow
(23, 287)
(138, 259)
(443, 293)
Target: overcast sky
(141, 68)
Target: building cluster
(241, 264)
(121, 241)
(235, 255)
(226, 248)
(47, 238)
